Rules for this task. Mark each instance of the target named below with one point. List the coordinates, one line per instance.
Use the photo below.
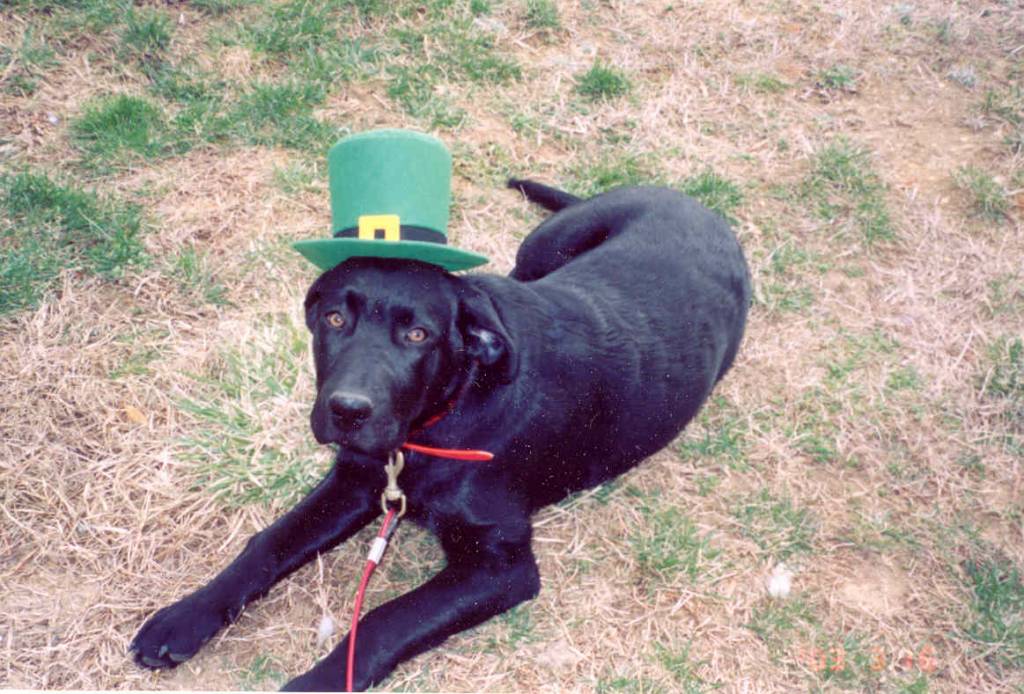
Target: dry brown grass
(104, 517)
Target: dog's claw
(163, 651)
(178, 657)
(153, 662)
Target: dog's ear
(484, 334)
(312, 299)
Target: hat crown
(390, 172)
(390, 193)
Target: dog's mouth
(371, 449)
(376, 437)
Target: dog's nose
(350, 409)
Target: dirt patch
(874, 588)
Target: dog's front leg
(344, 501)
(461, 596)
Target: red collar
(451, 453)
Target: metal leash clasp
(392, 492)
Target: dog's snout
(350, 409)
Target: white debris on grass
(325, 630)
(779, 582)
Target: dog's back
(661, 286)
(650, 245)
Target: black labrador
(621, 314)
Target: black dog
(620, 316)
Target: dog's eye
(416, 335)
(335, 319)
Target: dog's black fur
(621, 314)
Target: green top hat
(390, 191)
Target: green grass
(846, 192)
(201, 99)
(184, 85)
(338, 62)
(724, 439)
(30, 61)
(428, 59)
(119, 129)
(997, 603)
(782, 625)
(414, 88)
(919, 685)
(77, 18)
(147, 34)
(680, 665)
(876, 531)
(857, 350)
(282, 115)
(308, 40)
(817, 440)
(612, 168)
(218, 8)
(838, 77)
(762, 83)
(670, 545)
(233, 404)
(202, 104)
(192, 269)
(299, 177)
(46, 227)
(424, 60)
(715, 192)
(815, 428)
(262, 672)
(987, 197)
(615, 167)
(276, 114)
(779, 527)
(542, 14)
(511, 629)
(460, 51)
(1003, 376)
(1006, 295)
(626, 685)
(518, 626)
(903, 378)
(414, 558)
(784, 286)
(139, 355)
(290, 27)
(1005, 104)
(602, 82)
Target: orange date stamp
(834, 658)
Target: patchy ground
(157, 159)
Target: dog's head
(393, 340)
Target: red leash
(392, 494)
(387, 529)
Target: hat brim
(328, 253)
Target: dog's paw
(326, 676)
(310, 682)
(176, 633)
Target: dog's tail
(545, 196)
